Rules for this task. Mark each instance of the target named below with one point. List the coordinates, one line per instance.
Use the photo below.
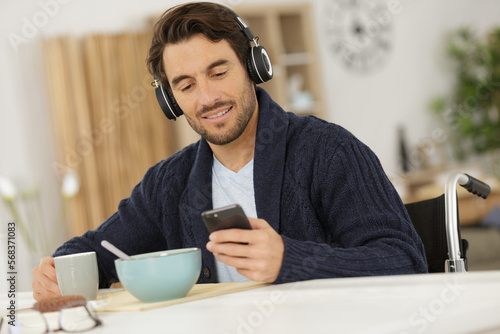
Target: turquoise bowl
(160, 276)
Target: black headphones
(258, 66)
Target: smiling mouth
(223, 112)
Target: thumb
(258, 224)
(48, 260)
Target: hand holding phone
(231, 216)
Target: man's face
(212, 87)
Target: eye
(220, 74)
(185, 89)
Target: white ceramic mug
(77, 274)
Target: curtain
(107, 124)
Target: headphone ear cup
(167, 103)
(252, 71)
(259, 65)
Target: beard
(247, 106)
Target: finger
(45, 295)
(258, 224)
(49, 285)
(237, 262)
(44, 284)
(48, 260)
(251, 269)
(45, 279)
(48, 268)
(39, 292)
(256, 276)
(39, 289)
(235, 235)
(231, 249)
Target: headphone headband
(243, 26)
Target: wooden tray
(123, 301)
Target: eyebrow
(216, 63)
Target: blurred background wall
(372, 104)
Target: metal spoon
(113, 249)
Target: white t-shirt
(228, 188)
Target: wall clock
(358, 32)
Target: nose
(208, 94)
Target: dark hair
(180, 23)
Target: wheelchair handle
(477, 187)
(473, 185)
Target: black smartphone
(231, 216)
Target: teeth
(219, 114)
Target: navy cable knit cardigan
(322, 189)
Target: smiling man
(318, 200)
(212, 87)
(215, 92)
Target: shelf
(294, 59)
(286, 31)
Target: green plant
(472, 111)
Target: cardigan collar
(269, 159)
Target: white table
(431, 303)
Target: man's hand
(257, 254)
(45, 281)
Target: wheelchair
(437, 223)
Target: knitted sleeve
(366, 225)
(134, 228)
